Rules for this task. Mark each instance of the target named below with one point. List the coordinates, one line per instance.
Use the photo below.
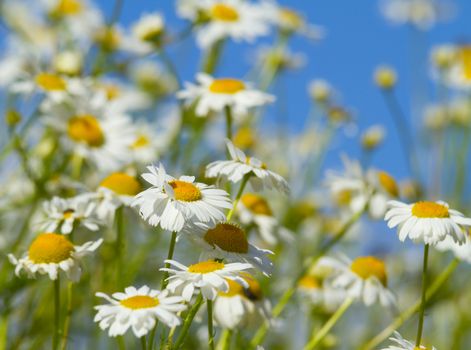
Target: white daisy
(240, 165)
(459, 74)
(320, 292)
(428, 222)
(213, 95)
(173, 203)
(65, 213)
(401, 344)
(462, 252)
(241, 306)
(364, 278)
(229, 242)
(209, 276)
(49, 253)
(235, 19)
(146, 34)
(138, 309)
(53, 85)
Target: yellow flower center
(226, 86)
(343, 197)
(206, 267)
(86, 128)
(68, 213)
(309, 282)
(234, 289)
(139, 302)
(291, 18)
(68, 8)
(111, 91)
(466, 61)
(50, 248)
(225, 13)
(256, 204)
(109, 38)
(244, 138)
(228, 237)
(141, 141)
(369, 266)
(430, 210)
(122, 184)
(50, 82)
(388, 183)
(254, 290)
(185, 191)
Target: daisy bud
(12, 117)
(385, 77)
(372, 137)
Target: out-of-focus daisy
(146, 34)
(373, 137)
(152, 78)
(210, 277)
(427, 222)
(67, 213)
(68, 62)
(50, 253)
(459, 75)
(320, 292)
(213, 95)
(219, 19)
(138, 309)
(173, 203)
(241, 306)
(364, 278)
(229, 242)
(254, 209)
(147, 144)
(241, 165)
(401, 344)
(462, 252)
(54, 85)
(320, 90)
(385, 77)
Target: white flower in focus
(213, 95)
(427, 222)
(173, 203)
(241, 165)
(50, 253)
(401, 344)
(138, 309)
(364, 278)
(67, 213)
(210, 277)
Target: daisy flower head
(51, 84)
(401, 344)
(146, 34)
(459, 75)
(241, 306)
(138, 309)
(364, 278)
(228, 241)
(241, 165)
(209, 276)
(427, 222)
(213, 95)
(461, 251)
(50, 253)
(220, 19)
(65, 214)
(173, 203)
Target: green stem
(68, 316)
(143, 343)
(423, 298)
(228, 112)
(407, 314)
(120, 246)
(319, 336)
(209, 306)
(187, 323)
(212, 57)
(225, 340)
(239, 194)
(57, 313)
(121, 343)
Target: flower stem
(68, 316)
(317, 337)
(187, 323)
(209, 306)
(120, 246)
(212, 57)
(239, 194)
(225, 340)
(57, 313)
(143, 343)
(228, 112)
(423, 298)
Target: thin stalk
(239, 194)
(225, 340)
(209, 306)
(408, 313)
(68, 316)
(228, 112)
(212, 57)
(121, 343)
(187, 323)
(57, 313)
(423, 298)
(143, 343)
(319, 336)
(120, 245)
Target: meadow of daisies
(140, 210)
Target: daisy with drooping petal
(213, 95)
(364, 278)
(173, 203)
(50, 253)
(209, 276)
(241, 306)
(461, 251)
(65, 213)
(138, 309)
(401, 344)
(240, 165)
(228, 241)
(427, 222)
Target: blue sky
(358, 39)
